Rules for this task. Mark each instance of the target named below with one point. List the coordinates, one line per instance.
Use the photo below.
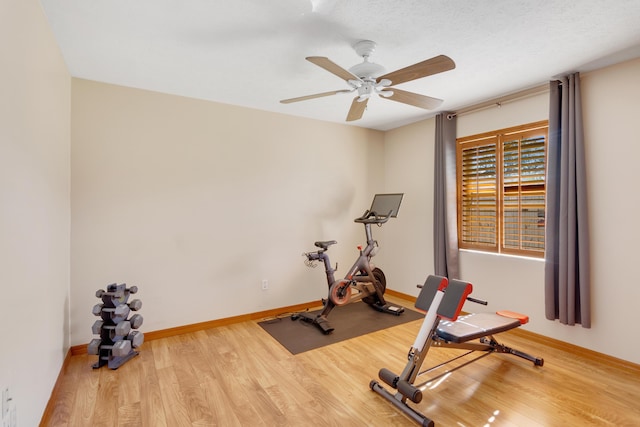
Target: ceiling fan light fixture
(366, 89)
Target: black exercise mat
(349, 321)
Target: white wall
(196, 202)
(611, 105)
(34, 208)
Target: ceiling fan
(366, 79)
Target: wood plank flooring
(237, 375)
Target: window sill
(475, 251)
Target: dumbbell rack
(117, 342)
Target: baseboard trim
(592, 355)
(48, 411)
(400, 295)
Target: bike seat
(324, 245)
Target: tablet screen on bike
(384, 203)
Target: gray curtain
(445, 228)
(567, 276)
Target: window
(501, 190)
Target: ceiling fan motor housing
(365, 48)
(366, 69)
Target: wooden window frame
(477, 148)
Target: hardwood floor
(237, 375)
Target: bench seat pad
(475, 325)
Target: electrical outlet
(265, 284)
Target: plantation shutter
(523, 188)
(479, 195)
(501, 190)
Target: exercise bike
(363, 281)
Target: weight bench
(442, 299)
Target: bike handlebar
(371, 217)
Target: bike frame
(359, 277)
(361, 272)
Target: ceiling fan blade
(317, 95)
(421, 101)
(435, 65)
(357, 109)
(332, 67)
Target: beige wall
(406, 255)
(611, 105)
(197, 202)
(34, 208)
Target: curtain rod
(497, 102)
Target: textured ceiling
(251, 52)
